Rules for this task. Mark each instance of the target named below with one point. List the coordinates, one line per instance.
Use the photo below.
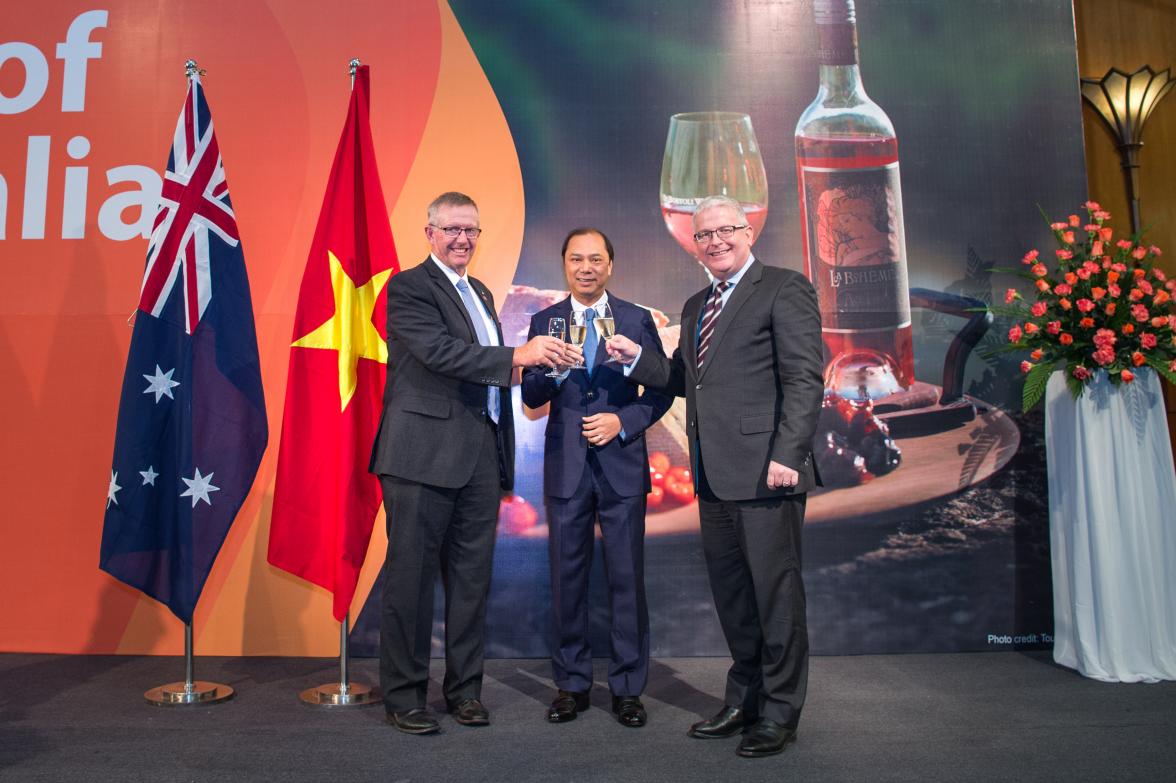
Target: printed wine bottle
(851, 220)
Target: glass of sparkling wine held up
(851, 220)
(556, 327)
(709, 154)
(578, 332)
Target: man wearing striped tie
(749, 362)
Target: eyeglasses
(722, 232)
(453, 232)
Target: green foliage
(1035, 382)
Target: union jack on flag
(194, 201)
(191, 419)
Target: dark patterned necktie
(710, 315)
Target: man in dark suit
(596, 466)
(444, 452)
(749, 364)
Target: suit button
(699, 386)
(591, 395)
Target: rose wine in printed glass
(711, 154)
(851, 220)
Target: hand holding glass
(578, 333)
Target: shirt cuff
(628, 368)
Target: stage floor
(981, 716)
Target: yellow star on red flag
(350, 330)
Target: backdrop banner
(932, 531)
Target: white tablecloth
(1112, 521)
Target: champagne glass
(556, 327)
(578, 332)
(604, 322)
(711, 154)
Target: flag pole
(191, 690)
(343, 693)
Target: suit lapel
(730, 310)
(688, 337)
(447, 288)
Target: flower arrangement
(1104, 307)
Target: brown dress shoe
(567, 705)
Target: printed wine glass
(711, 154)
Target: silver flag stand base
(190, 691)
(335, 694)
(175, 694)
(343, 693)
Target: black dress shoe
(629, 711)
(567, 705)
(415, 721)
(766, 738)
(727, 723)
(470, 713)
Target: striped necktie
(710, 315)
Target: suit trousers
(435, 530)
(753, 557)
(571, 543)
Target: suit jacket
(435, 399)
(625, 464)
(759, 394)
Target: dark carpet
(959, 717)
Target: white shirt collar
(735, 278)
(577, 307)
(453, 276)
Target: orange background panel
(277, 86)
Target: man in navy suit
(596, 467)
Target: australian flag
(191, 421)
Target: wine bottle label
(857, 249)
(837, 44)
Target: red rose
(1026, 366)
(1080, 372)
(1015, 334)
(1038, 309)
(1053, 327)
(1148, 340)
(1065, 338)
(1062, 289)
(1085, 305)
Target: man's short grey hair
(710, 202)
(449, 199)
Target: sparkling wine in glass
(711, 154)
(556, 327)
(578, 332)
(604, 322)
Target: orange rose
(1138, 359)
(1127, 376)
(1088, 323)
(1036, 355)
(1128, 328)
(1065, 338)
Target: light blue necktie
(492, 400)
(590, 340)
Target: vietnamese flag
(325, 501)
